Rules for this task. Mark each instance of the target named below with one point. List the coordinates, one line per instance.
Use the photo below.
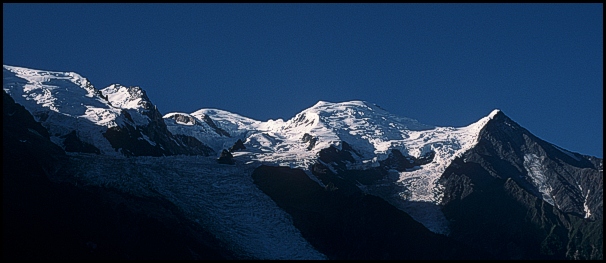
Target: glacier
(221, 198)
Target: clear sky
(442, 64)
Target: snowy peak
(359, 123)
(355, 113)
(43, 77)
(126, 97)
(533, 161)
(231, 122)
(494, 113)
(64, 92)
(115, 120)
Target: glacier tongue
(221, 198)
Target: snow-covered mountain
(369, 130)
(116, 120)
(332, 159)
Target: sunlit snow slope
(369, 129)
(65, 102)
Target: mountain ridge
(348, 149)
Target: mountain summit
(116, 120)
(345, 180)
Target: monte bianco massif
(102, 174)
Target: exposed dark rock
(238, 145)
(17, 120)
(72, 143)
(153, 139)
(26, 143)
(354, 226)
(506, 147)
(338, 158)
(331, 167)
(214, 126)
(184, 119)
(193, 145)
(395, 160)
(129, 141)
(309, 139)
(226, 158)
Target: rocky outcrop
(238, 145)
(193, 145)
(72, 143)
(226, 158)
(395, 160)
(26, 143)
(512, 196)
(183, 118)
(153, 138)
(214, 126)
(310, 140)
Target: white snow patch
(123, 97)
(585, 206)
(534, 167)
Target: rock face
(568, 181)
(536, 198)
(354, 225)
(400, 163)
(151, 138)
(21, 132)
(72, 143)
(238, 145)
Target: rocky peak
(127, 97)
(238, 145)
(569, 181)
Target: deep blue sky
(442, 64)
